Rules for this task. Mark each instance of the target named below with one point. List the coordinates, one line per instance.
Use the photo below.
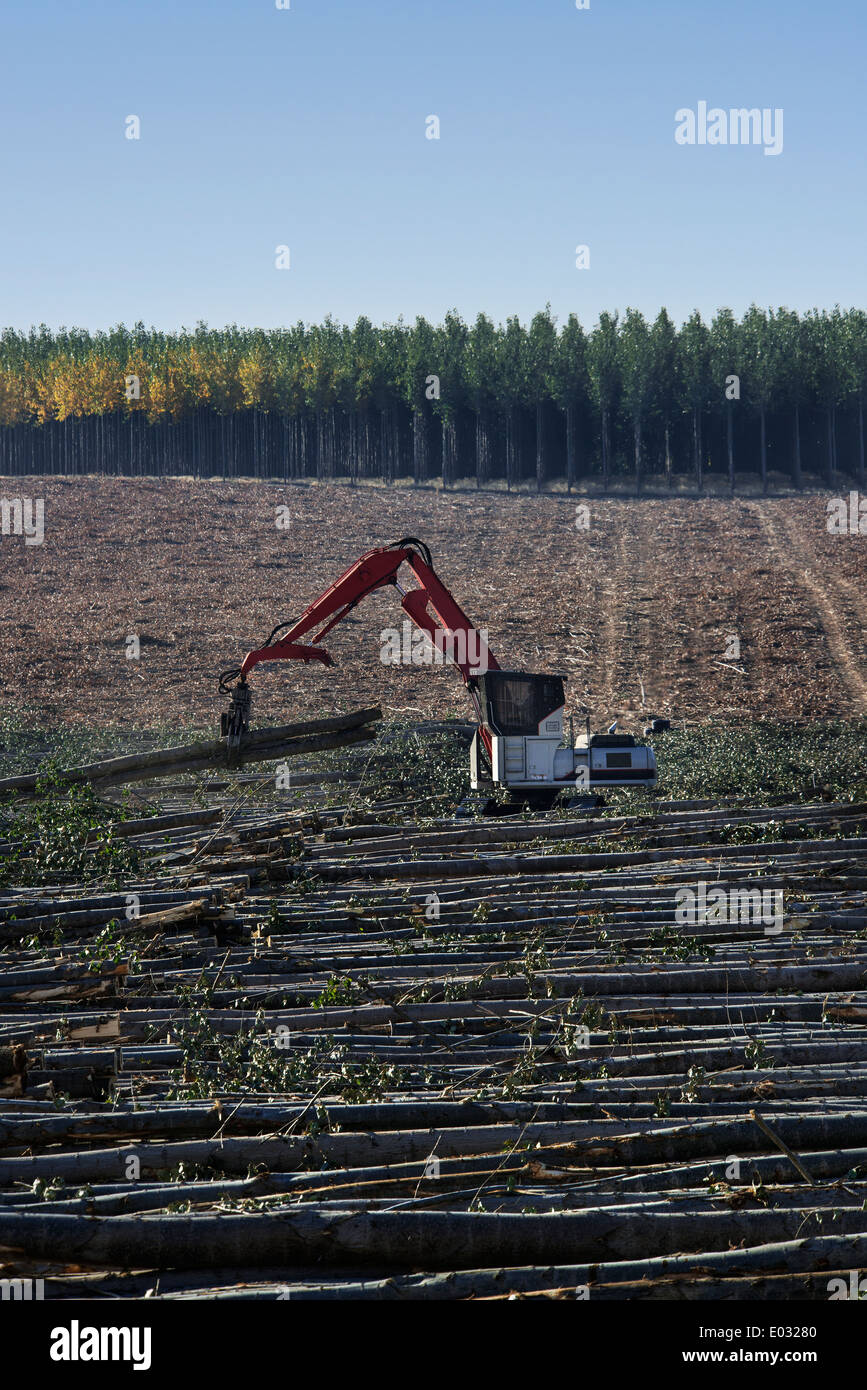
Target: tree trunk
(637, 442)
(764, 448)
(419, 446)
(386, 446)
(331, 435)
(449, 451)
(367, 447)
(260, 746)
(320, 446)
(829, 465)
(730, 442)
(861, 476)
(540, 446)
(798, 480)
(668, 476)
(398, 469)
(696, 439)
(511, 448)
(483, 448)
(605, 451)
(426, 1240)
(301, 445)
(570, 447)
(834, 463)
(834, 444)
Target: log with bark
(262, 745)
(437, 1240)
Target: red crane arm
(374, 570)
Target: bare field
(637, 610)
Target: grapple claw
(235, 721)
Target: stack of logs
(482, 1059)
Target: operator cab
(518, 702)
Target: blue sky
(306, 127)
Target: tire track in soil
(631, 623)
(829, 597)
(608, 592)
(627, 638)
(584, 649)
(646, 617)
(606, 589)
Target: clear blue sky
(306, 127)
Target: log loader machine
(519, 745)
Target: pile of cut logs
(337, 1055)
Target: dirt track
(646, 600)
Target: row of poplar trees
(773, 392)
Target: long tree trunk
(321, 449)
(352, 448)
(261, 746)
(834, 445)
(764, 447)
(419, 446)
(861, 477)
(366, 446)
(605, 450)
(483, 448)
(511, 447)
(696, 440)
(730, 441)
(797, 460)
(637, 443)
(332, 429)
(668, 478)
(540, 446)
(386, 446)
(570, 447)
(398, 466)
(426, 1240)
(301, 445)
(450, 443)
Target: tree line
(774, 393)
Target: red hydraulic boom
(431, 607)
(519, 747)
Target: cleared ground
(358, 1048)
(639, 610)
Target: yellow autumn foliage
(12, 399)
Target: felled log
(593, 1144)
(263, 745)
(437, 1240)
